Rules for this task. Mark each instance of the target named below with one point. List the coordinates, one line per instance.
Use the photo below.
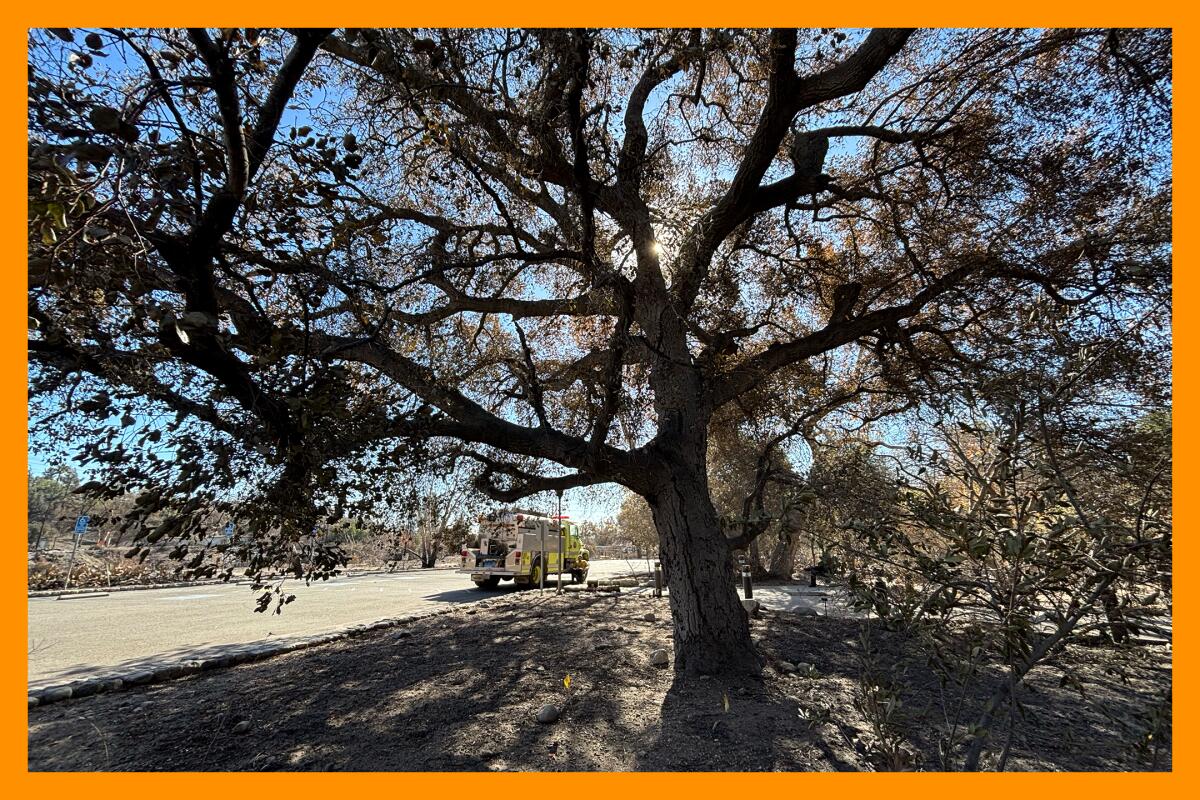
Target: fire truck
(524, 547)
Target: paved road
(72, 637)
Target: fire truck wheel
(535, 576)
(489, 583)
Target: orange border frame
(628, 13)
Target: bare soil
(462, 692)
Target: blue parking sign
(81, 525)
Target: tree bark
(1118, 630)
(712, 631)
(783, 555)
(754, 557)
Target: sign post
(81, 525)
(560, 542)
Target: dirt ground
(462, 692)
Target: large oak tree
(268, 266)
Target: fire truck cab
(524, 547)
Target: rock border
(227, 656)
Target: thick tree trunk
(712, 631)
(754, 557)
(783, 554)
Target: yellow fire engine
(524, 547)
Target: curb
(231, 655)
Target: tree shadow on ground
(448, 693)
(462, 691)
(472, 595)
(756, 723)
(1052, 724)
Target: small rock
(649, 618)
(56, 693)
(807, 612)
(787, 666)
(750, 604)
(33, 701)
(806, 669)
(242, 727)
(498, 766)
(659, 658)
(547, 714)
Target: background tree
(600, 533)
(274, 266)
(47, 492)
(441, 520)
(636, 524)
